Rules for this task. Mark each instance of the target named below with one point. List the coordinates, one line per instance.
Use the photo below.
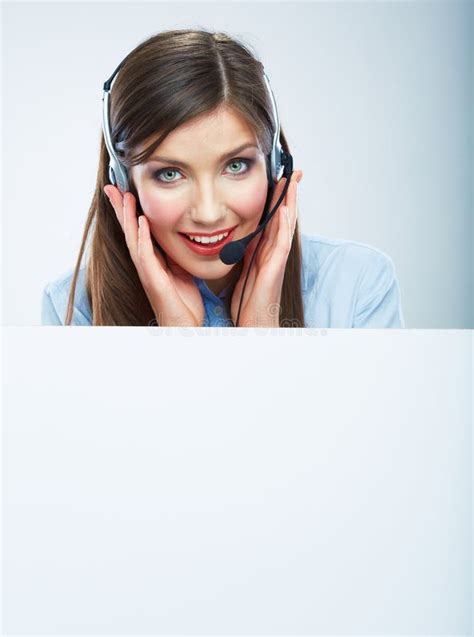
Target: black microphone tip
(232, 252)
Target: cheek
(162, 209)
(248, 202)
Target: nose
(208, 208)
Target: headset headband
(117, 171)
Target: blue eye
(240, 167)
(165, 172)
(246, 162)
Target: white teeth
(213, 239)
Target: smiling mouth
(214, 238)
(216, 233)
(205, 244)
(208, 248)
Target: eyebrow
(177, 162)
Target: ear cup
(112, 179)
(277, 161)
(118, 174)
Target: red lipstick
(208, 249)
(210, 234)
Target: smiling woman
(194, 167)
(198, 195)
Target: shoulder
(336, 257)
(349, 284)
(55, 299)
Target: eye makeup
(157, 175)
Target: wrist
(165, 319)
(269, 318)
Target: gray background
(375, 98)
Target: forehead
(217, 131)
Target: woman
(192, 122)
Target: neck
(230, 279)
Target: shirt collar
(203, 287)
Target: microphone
(234, 251)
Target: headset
(279, 164)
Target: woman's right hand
(171, 290)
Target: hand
(261, 302)
(173, 295)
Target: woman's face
(207, 177)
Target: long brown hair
(166, 81)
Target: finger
(277, 192)
(299, 175)
(249, 251)
(130, 223)
(281, 217)
(293, 205)
(287, 225)
(115, 199)
(288, 233)
(272, 227)
(145, 248)
(281, 235)
(295, 177)
(150, 262)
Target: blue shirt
(344, 284)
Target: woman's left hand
(261, 302)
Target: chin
(214, 271)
